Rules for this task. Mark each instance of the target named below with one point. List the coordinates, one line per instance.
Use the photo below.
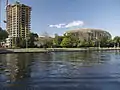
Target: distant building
(42, 41)
(18, 20)
(2, 44)
(89, 34)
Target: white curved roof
(86, 30)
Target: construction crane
(5, 21)
(0, 12)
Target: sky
(58, 16)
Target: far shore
(47, 50)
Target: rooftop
(17, 3)
(85, 30)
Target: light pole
(98, 42)
(26, 42)
(90, 36)
(118, 45)
(114, 43)
(26, 37)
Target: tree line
(71, 41)
(65, 41)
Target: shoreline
(47, 50)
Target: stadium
(89, 34)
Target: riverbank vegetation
(3, 35)
(65, 41)
(70, 41)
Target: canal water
(86, 70)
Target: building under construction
(18, 18)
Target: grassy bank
(44, 50)
(57, 49)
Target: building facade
(89, 34)
(18, 21)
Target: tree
(110, 43)
(45, 41)
(103, 41)
(116, 41)
(32, 38)
(69, 40)
(66, 42)
(57, 40)
(21, 43)
(84, 43)
(3, 34)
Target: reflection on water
(15, 66)
(87, 70)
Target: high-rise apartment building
(18, 21)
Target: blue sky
(58, 16)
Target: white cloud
(68, 25)
(57, 25)
(74, 23)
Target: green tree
(110, 43)
(116, 41)
(85, 43)
(103, 42)
(57, 40)
(74, 40)
(22, 43)
(45, 41)
(3, 34)
(66, 42)
(31, 39)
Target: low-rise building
(8, 43)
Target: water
(60, 71)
